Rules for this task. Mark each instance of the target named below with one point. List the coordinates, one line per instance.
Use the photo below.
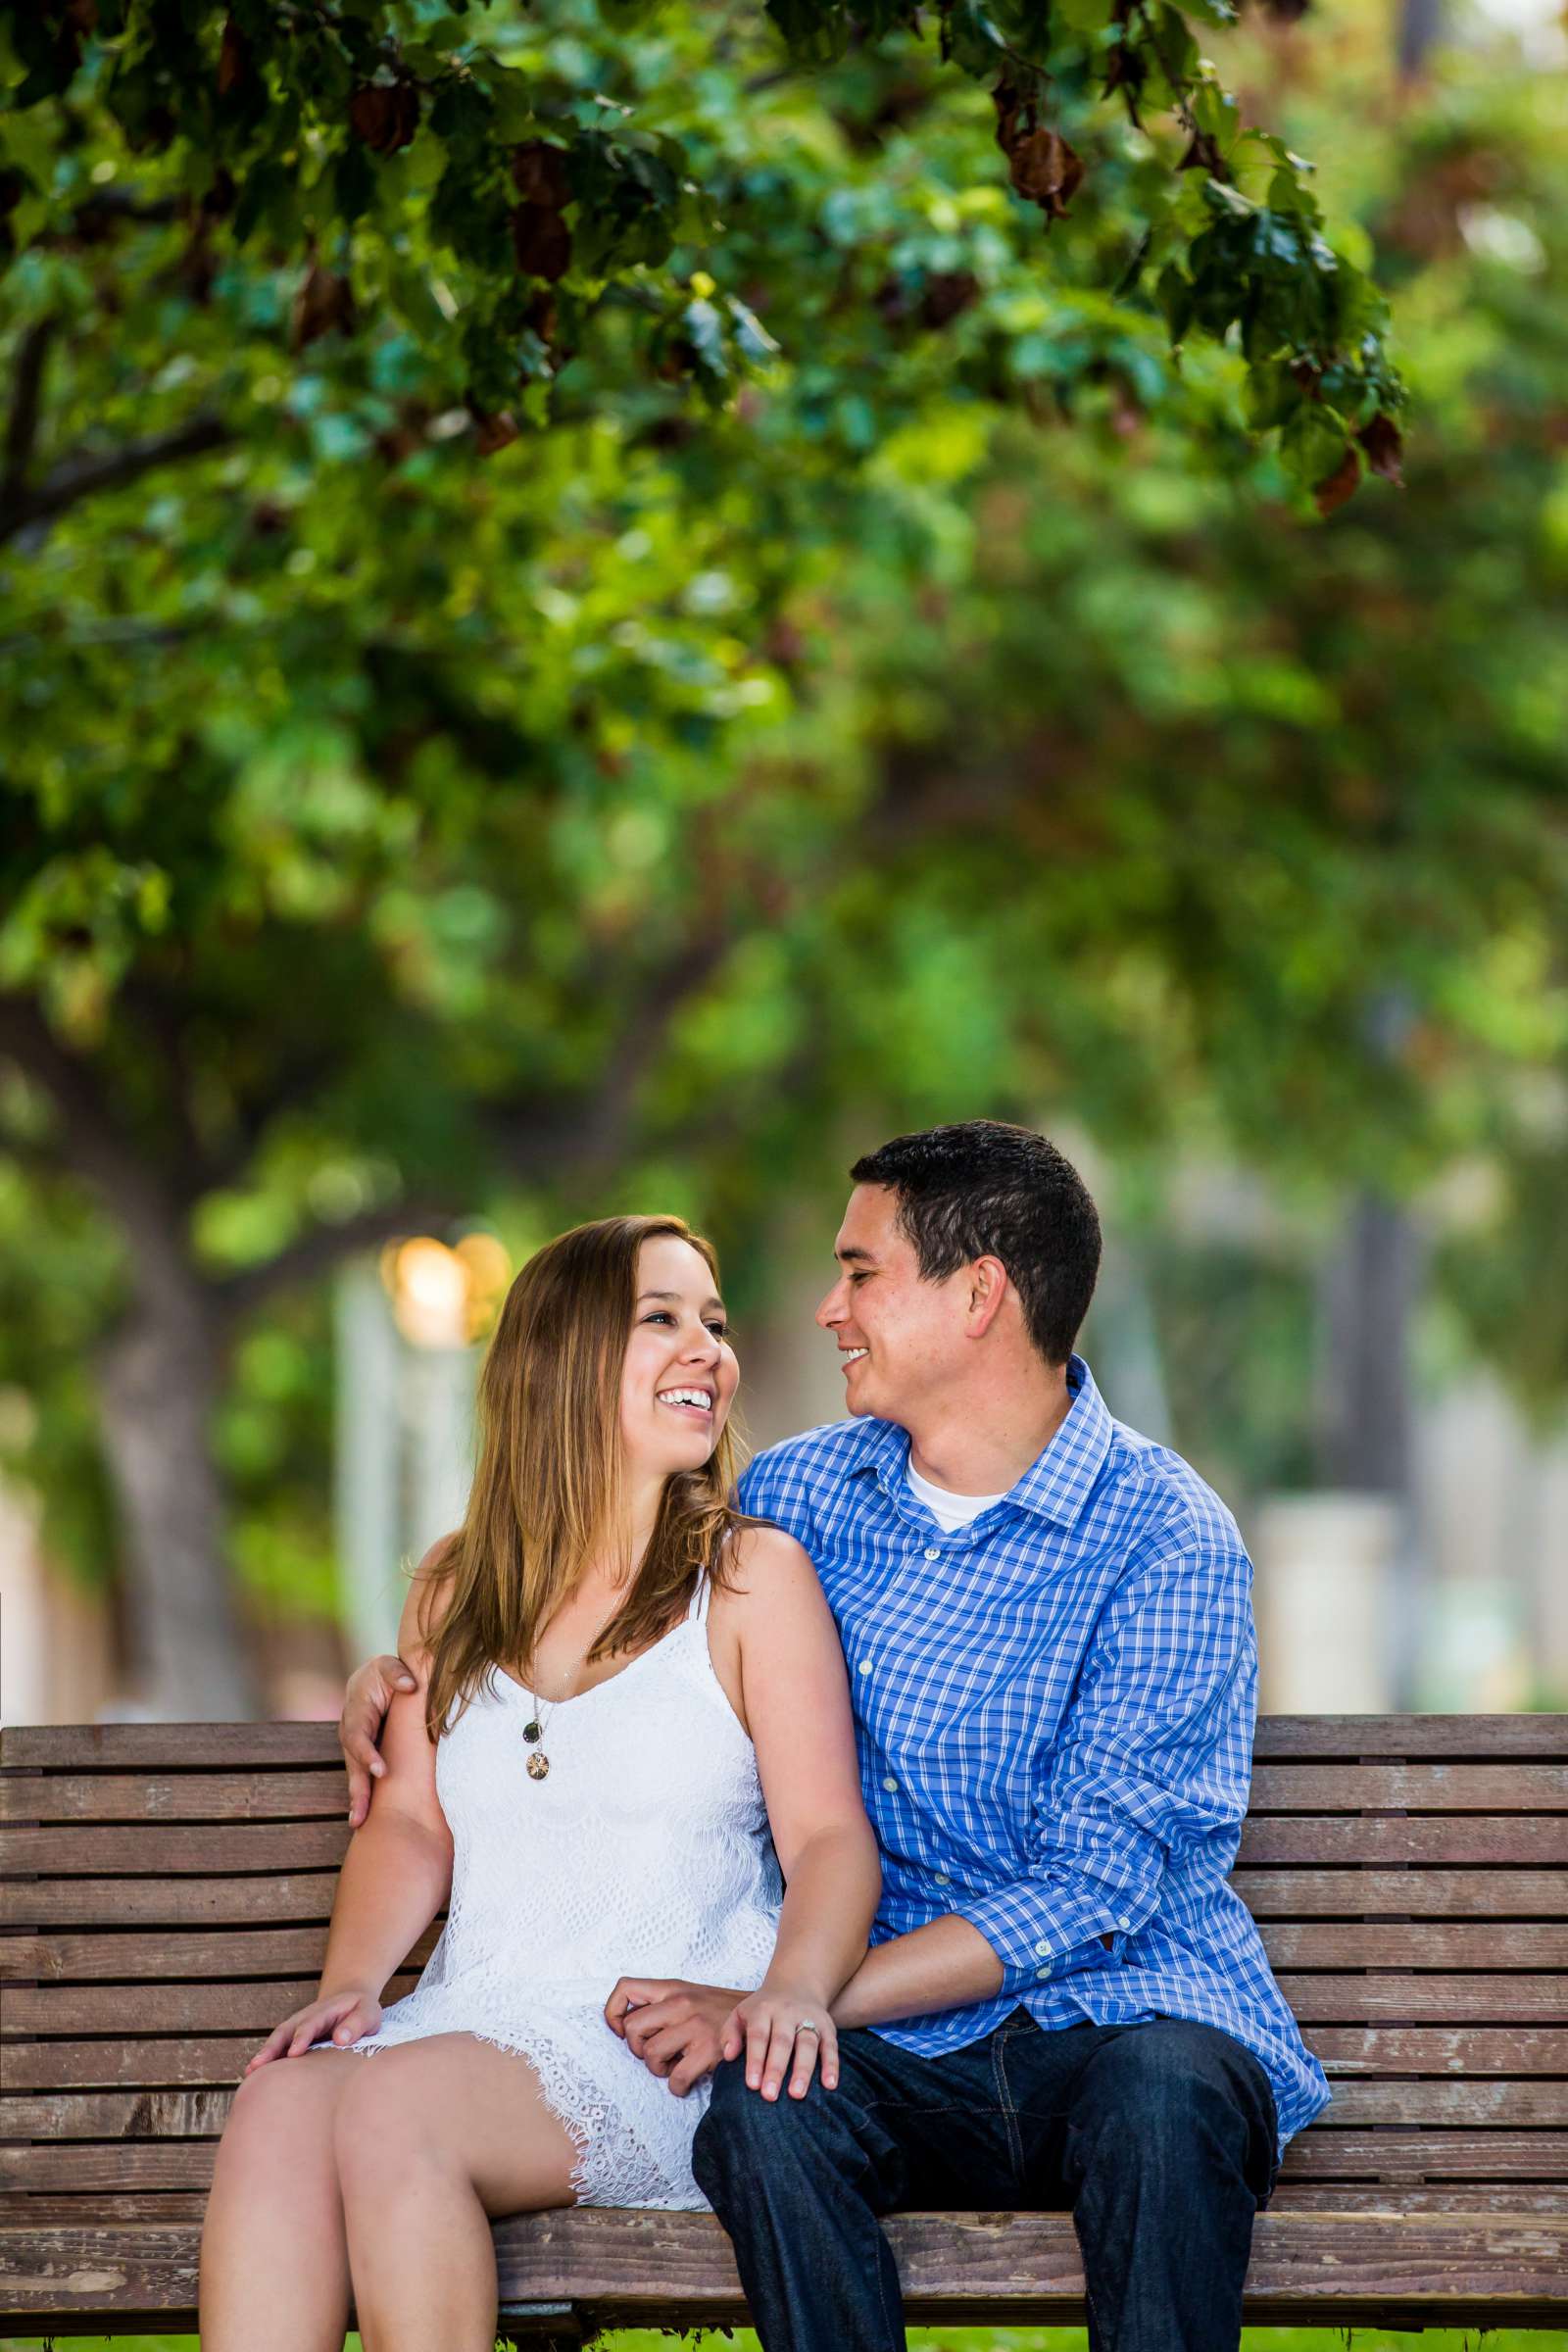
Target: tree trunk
(158, 1382)
(1370, 1289)
(1371, 1284)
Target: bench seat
(166, 1890)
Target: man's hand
(370, 1692)
(679, 2030)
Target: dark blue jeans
(1159, 2137)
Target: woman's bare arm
(793, 1675)
(395, 1877)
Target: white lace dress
(645, 1851)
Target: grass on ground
(980, 2339)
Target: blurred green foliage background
(957, 711)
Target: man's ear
(988, 1288)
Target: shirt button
(1041, 1951)
(932, 1552)
(1122, 1926)
(1045, 1971)
(865, 1665)
(943, 1879)
(892, 1786)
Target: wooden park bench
(164, 1899)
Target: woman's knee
(287, 2101)
(381, 2131)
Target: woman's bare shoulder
(428, 1587)
(767, 1568)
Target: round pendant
(531, 1732)
(538, 1766)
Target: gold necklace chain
(534, 1731)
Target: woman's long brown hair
(548, 1486)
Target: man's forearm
(945, 1965)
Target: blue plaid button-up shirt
(1054, 1710)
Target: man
(1048, 1624)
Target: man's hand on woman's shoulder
(372, 1687)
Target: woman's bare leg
(275, 2264)
(438, 2137)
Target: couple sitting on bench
(852, 1839)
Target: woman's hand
(775, 2027)
(339, 2017)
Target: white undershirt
(950, 1509)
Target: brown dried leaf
(385, 115)
(233, 59)
(541, 240)
(540, 175)
(542, 316)
(1047, 170)
(494, 429)
(1342, 483)
(324, 302)
(948, 294)
(1385, 447)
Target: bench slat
(1324, 2153)
(1468, 2050)
(212, 1746)
(1312, 1944)
(300, 1896)
(1418, 1787)
(312, 1792)
(1352, 1736)
(115, 1958)
(1290, 1840)
(305, 1795)
(153, 2205)
(164, 2008)
(1497, 1999)
(1486, 1895)
(71, 1849)
(1425, 1944)
(1348, 2052)
(191, 2116)
(168, 1747)
(180, 2061)
(656, 2265)
(112, 2115)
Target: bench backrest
(167, 1888)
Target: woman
(613, 1668)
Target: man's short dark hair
(986, 1189)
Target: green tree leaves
(525, 199)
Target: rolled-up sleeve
(1143, 1768)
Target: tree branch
(583, 1132)
(322, 1247)
(22, 423)
(80, 477)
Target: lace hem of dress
(612, 2165)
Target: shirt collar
(1058, 1481)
